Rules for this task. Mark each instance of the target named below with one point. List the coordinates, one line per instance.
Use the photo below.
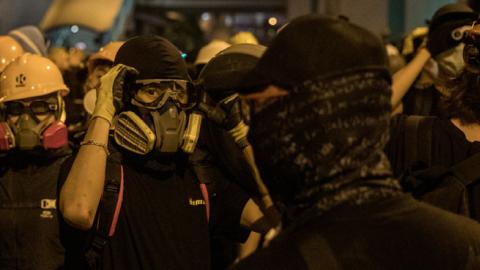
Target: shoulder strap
(204, 190)
(418, 139)
(108, 212)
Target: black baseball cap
(314, 45)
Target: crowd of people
(327, 149)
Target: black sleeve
(75, 241)
(227, 210)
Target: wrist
(100, 120)
(98, 130)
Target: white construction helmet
(244, 37)
(210, 50)
(29, 76)
(107, 53)
(9, 50)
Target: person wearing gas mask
(444, 45)
(318, 126)
(422, 148)
(162, 210)
(225, 131)
(33, 146)
(431, 145)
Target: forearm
(404, 78)
(254, 219)
(83, 188)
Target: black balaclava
(444, 21)
(321, 146)
(155, 58)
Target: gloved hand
(227, 114)
(110, 91)
(409, 40)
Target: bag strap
(418, 139)
(108, 212)
(204, 190)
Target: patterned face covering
(322, 145)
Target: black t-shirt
(29, 232)
(422, 102)
(448, 145)
(396, 233)
(162, 223)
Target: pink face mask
(53, 137)
(7, 139)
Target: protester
(319, 127)
(33, 144)
(165, 212)
(444, 44)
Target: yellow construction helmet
(106, 53)
(244, 37)
(9, 50)
(29, 76)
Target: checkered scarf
(321, 146)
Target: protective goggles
(16, 108)
(153, 94)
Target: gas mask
(161, 121)
(29, 132)
(450, 64)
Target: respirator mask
(33, 127)
(162, 121)
(471, 52)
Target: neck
(471, 131)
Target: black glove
(227, 114)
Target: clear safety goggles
(153, 94)
(37, 107)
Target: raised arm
(80, 194)
(405, 77)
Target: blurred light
(174, 16)
(228, 20)
(206, 16)
(272, 21)
(81, 45)
(259, 18)
(184, 55)
(74, 28)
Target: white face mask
(450, 64)
(428, 75)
